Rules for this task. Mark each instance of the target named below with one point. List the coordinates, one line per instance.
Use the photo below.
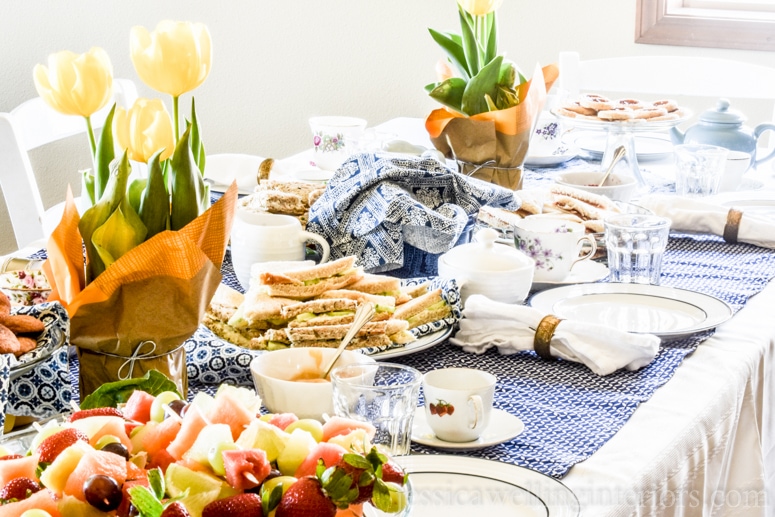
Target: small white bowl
(273, 374)
(619, 187)
(500, 272)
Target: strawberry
(19, 489)
(304, 498)
(392, 473)
(240, 505)
(11, 457)
(99, 411)
(362, 479)
(176, 509)
(433, 408)
(50, 448)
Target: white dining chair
(691, 76)
(30, 125)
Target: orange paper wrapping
(502, 136)
(136, 315)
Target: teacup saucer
(583, 272)
(503, 427)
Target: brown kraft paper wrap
(493, 146)
(136, 315)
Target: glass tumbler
(384, 394)
(635, 245)
(699, 168)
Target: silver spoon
(363, 315)
(618, 155)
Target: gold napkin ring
(544, 334)
(733, 225)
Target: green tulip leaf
(197, 148)
(187, 184)
(120, 233)
(105, 154)
(87, 185)
(506, 98)
(135, 192)
(450, 93)
(97, 215)
(155, 202)
(507, 75)
(470, 47)
(492, 37)
(452, 45)
(485, 82)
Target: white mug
(263, 237)
(458, 402)
(554, 243)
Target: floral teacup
(334, 139)
(555, 244)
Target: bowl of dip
(290, 380)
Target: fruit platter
(129, 452)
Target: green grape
(104, 440)
(161, 400)
(215, 457)
(310, 425)
(35, 513)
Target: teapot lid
(485, 255)
(722, 114)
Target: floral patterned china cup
(458, 402)
(334, 139)
(555, 244)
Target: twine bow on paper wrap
(157, 292)
(513, 328)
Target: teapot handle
(758, 132)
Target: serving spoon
(618, 155)
(363, 315)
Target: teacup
(263, 237)
(736, 165)
(555, 244)
(458, 402)
(334, 139)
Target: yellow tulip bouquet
(490, 108)
(154, 246)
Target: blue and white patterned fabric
(37, 384)
(375, 204)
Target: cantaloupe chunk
(41, 500)
(18, 468)
(95, 462)
(230, 411)
(55, 476)
(193, 422)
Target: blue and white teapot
(724, 127)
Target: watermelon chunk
(95, 462)
(283, 420)
(239, 463)
(337, 426)
(193, 422)
(330, 453)
(138, 407)
(230, 411)
(40, 500)
(158, 436)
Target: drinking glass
(636, 244)
(698, 169)
(384, 394)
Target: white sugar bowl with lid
(498, 271)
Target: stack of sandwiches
(316, 305)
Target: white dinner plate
(583, 272)
(415, 346)
(667, 312)
(503, 427)
(648, 147)
(458, 486)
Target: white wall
(275, 63)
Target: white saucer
(503, 427)
(583, 272)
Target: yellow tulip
(480, 7)
(76, 84)
(175, 58)
(144, 129)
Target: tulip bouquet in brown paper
(490, 108)
(136, 315)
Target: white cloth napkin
(511, 328)
(700, 215)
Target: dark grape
(102, 492)
(178, 406)
(117, 448)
